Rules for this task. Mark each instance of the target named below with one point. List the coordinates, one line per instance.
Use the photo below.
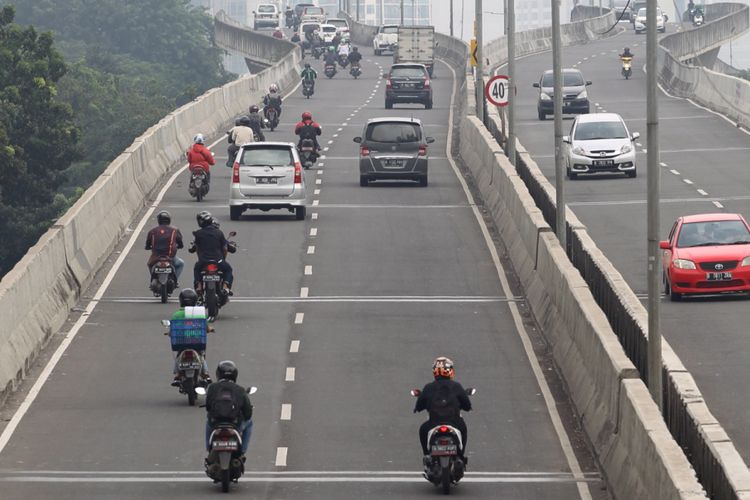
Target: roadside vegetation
(79, 81)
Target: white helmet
(273, 88)
(199, 139)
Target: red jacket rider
(199, 155)
(308, 129)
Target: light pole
(479, 83)
(560, 227)
(510, 20)
(402, 12)
(357, 10)
(653, 212)
(451, 13)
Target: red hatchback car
(707, 253)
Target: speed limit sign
(496, 90)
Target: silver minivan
(266, 176)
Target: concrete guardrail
(37, 294)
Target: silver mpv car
(266, 176)
(393, 148)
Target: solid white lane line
(60, 351)
(549, 400)
(308, 270)
(294, 346)
(281, 456)
(276, 473)
(313, 231)
(718, 205)
(311, 250)
(417, 479)
(299, 318)
(286, 411)
(316, 192)
(687, 181)
(291, 373)
(304, 292)
(702, 192)
(315, 203)
(314, 216)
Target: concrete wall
(37, 294)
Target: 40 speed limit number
(497, 89)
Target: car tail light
(427, 83)
(236, 173)
(388, 84)
(364, 151)
(443, 428)
(297, 173)
(422, 150)
(212, 268)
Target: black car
(406, 83)
(300, 8)
(575, 96)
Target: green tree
(38, 138)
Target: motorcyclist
(344, 50)
(289, 16)
(354, 56)
(307, 128)
(164, 241)
(240, 134)
(278, 33)
(199, 156)
(443, 399)
(697, 12)
(626, 53)
(272, 100)
(330, 57)
(256, 122)
(211, 245)
(188, 298)
(691, 10)
(226, 390)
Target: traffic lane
(360, 361)
(109, 406)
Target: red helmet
(307, 115)
(443, 367)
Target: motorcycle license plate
(225, 445)
(163, 270)
(603, 163)
(266, 180)
(211, 277)
(189, 366)
(718, 276)
(443, 449)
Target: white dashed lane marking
(316, 192)
(290, 374)
(310, 249)
(294, 346)
(718, 205)
(316, 203)
(299, 318)
(308, 270)
(281, 456)
(675, 172)
(314, 216)
(687, 181)
(286, 411)
(313, 231)
(702, 192)
(318, 181)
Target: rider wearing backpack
(443, 399)
(228, 402)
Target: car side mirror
(253, 12)
(664, 245)
(588, 83)
(535, 85)
(429, 140)
(666, 18)
(635, 135)
(566, 139)
(357, 139)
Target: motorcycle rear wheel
(225, 480)
(445, 481)
(199, 194)
(189, 388)
(164, 293)
(212, 303)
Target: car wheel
(428, 104)
(673, 296)
(255, 26)
(235, 213)
(388, 104)
(423, 181)
(632, 173)
(377, 52)
(300, 212)
(363, 180)
(542, 115)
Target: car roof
(327, 25)
(710, 217)
(408, 65)
(267, 4)
(387, 119)
(599, 117)
(564, 70)
(389, 25)
(337, 19)
(268, 143)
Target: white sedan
(640, 21)
(600, 142)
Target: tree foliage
(38, 138)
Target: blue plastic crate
(188, 334)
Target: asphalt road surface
(704, 160)
(335, 319)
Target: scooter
(317, 51)
(308, 88)
(343, 61)
(698, 19)
(330, 70)
(272, 117)
(188, 339)
(199, 184)
(627, 70)
(212, 294)
(355, 70)
(307, 153)
(163, 278)
(225, 463)
(445, 466)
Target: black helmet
(188, 297)
(307, 65)
(254, 108)
(226, 370)
(163, 217)
(245, 121)
(204, 218)
(237, 122)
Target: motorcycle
(225, 463)
(355, 70)
(627, 70)
(198, 187)
(317, 51)
(307, 153)
(163, 278)
(445, 467)
(330, 70)
(698, 19)
(188, 339)
(272, 116)
(343, 61)
(308, 88)
(212, 294)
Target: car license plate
(391, 163)
(409, 85)
(266, 180)
(718, 276)
(163, 270)
(211, 277)
(603, 163)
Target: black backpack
(224, 408)
(443, 405)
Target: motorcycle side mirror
(415, 392)
(165, 322)
(232, 234)
(636, 135)
(429, 140)
(200, 391)
(357, 139)
(471, 391)
(535, 85)
(252, 390)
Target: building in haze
(239, 10)
(376, 12)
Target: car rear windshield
(407, 72)
(266, 9)
(569, 80)
(390, 30)
(393, 132)
(340, 23)
(306, 28)
(268, 156)
(600, 130)
(314, 11)
(723, 232)
(329, 29)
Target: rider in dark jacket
(444, 387)
(211, 245)
(164, 240)
(226, 376)
(354, 56)
(256, 123)
(330, 57)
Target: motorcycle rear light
(388, 84)
(297, 173)
(444, 441)
(187, 356)
(443, 428)
(236, 173)
(364, 151)
(422, 150)
(426, 83)
(212, 268)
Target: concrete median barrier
(37, 294)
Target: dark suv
(575, 96)
(393, 148)
(407, 83)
